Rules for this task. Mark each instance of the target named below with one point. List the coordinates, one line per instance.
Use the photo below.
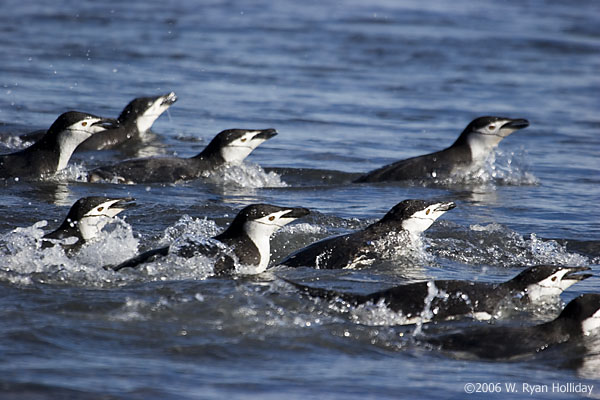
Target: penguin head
(91, 214)
(72, 128)
(415, 216)
(78, 126)
(583, 310)
(262, 220)
(143, 111)
(234, 145)
(258, 222)
(547, 280)
(484, 133)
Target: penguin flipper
(143, 258)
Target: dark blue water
(350, 86)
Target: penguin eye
(100, 209)
(84, 123)
(492, 127)
(243, 139)
(271, 218)
(553, 279)
(427, 212)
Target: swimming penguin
(471, 148)
(86, 218)
(448, 299)
(581, 317)
(248, 237)
(135, 120)
(356, 249)
(231, 146)
(52, 152)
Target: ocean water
(350, 86)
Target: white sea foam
(193, 227)
(377, 314)
(495, 244)
(400, 247)
(72, 173)
(507, 168)
(14, 142)
(26, 262)
(245, 175)
(303, 228)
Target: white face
(73, 136)
(488, 138)
(260, 231)
(552, 286)
(237, 151)
(146, 120)
(94, 220)
(420, 221)
(86, 127)
(591, 324)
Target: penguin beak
(107, 123)
(265, 134)
(516, 124)
(572, 271)
(297, 212)
(124, 203)
(446, 206)
(169, 99)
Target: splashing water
(303, 228)
(498, 168)
(402, 248)
(115, 244)
(495, 244)
(377, 314)
(26, 262)
(427, 313)
(173, 267)
(509, 168)
(72, 173)
(192, 227)
(14, 142)
(245, 175)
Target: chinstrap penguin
(248, 237)
(231, 146)
(134, 121)
(470, 150)
(449, 299)
(52, 152)
(356, 249)
(86, 218)
(580, 318)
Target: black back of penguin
(229, 146)
(476, 141)
(356, 249)
(579, 318)
(452, 298)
